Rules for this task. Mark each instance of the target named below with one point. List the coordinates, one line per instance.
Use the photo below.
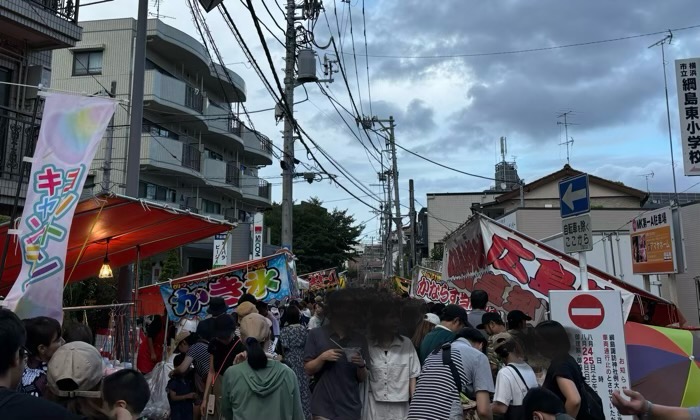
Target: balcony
(256, 190)
(169, 94)
(233, 175)
(223, 121)
(41, 24)
(258, 147)
(221, 174)
(18, 133)
(162, 154)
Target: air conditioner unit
(37, 75)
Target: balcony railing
(191, 157)
(234, 125)
(233, 174)
(194, 99)
(16, 133)
(65, 9)
(264, 189)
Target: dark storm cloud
(520, 94)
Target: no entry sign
(586, 311)
(595, 325)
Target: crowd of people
(349, 354)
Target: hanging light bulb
(106, 269)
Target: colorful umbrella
(664, 364)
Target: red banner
(324, 279)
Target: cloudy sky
(431, 66)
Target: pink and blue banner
(71, 129)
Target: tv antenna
(568, 140)
(157, 14)
(646, 178)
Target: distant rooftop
(662, 199)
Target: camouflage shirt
(495, 361)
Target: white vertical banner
(595, 323)
(257, 230)
(71, 129)
(221, 250)
(687, 90)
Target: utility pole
(412, 215)
(397, 203)
(288, 133)
(107, 164)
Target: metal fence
(65, 9)
(18, 135)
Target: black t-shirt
(567, 368)
(220, 351)
(14, 405)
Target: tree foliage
(171, 266)
(322, 239)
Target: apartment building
(29, 31)
(196, 154)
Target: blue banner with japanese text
(266, 279)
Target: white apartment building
(196, 154)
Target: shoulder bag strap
(519, 375)
(447, 360)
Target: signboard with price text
(596, 329)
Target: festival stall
(188, 297)
(518, 272)
(322, 280)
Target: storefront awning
(127, 223)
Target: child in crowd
(126, 393)
(181, 393)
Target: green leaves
(322, 239)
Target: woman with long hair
(260, 387)
(293, 340)
(564, 377)
(514, 380)
(424, 327)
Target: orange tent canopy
(128, 223)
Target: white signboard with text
(687, 90)
(596, 326)
(577, 234)
(222, 254)
(257, 230)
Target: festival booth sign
(518, 272)
(188, 297)
(401, 285)
(322, 280)
(428, 285)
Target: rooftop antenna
(504, 148)
(157, 14)
(568, 140)
(646, 177)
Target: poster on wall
(266, 279)
(653, 247)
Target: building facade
(29, 31)
(196, 154)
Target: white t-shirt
(510, 389)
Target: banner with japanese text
(687, 92)
(266, 279)
(653, 245)
(517, 272)
(320, 280)
(71, 129)
(428, 285)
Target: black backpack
(591, 404)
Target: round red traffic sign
(586, 312)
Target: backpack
(468, 405)
(591, 404)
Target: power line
(529, 50)
(444, 166)
(364, 32)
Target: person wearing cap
(453, 318)
(15, 405)
(217, 307)
(438, 394)
(492, 324)
(223, 349)
(260, 388)
(514, 380)
(517, 320)
(75, 380)
(195, 350)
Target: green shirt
(433, 340)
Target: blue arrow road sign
(574, 197)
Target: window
(155, 192)
(87, 62)
(213, 155)
(156, 130)
(211, 207)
